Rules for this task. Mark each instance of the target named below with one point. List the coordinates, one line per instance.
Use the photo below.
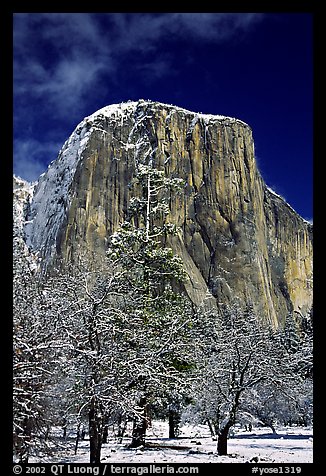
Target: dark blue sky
(256, 67)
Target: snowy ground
(289, 445)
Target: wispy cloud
(214, 27)
(61, 56)
(61, 60)
(63, 64)
(30, 156)
(143, 31)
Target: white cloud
(143, 32)
(60, 56)
(214, 27)
(61, 59)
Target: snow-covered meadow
(195, 445)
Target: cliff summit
(236, 236)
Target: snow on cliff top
(131, 106)
(271, 191)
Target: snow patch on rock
(51, 197)
(118, 110)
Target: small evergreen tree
(154, 274)
(124, 326)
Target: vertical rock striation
(236, 238)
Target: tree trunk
(174, 421)
(95, 433)
(222, 442)
(171, 424)
(26, 436)
(105, 434)
(211, 429)
(122, 425)
(77, 439)
(140, 426)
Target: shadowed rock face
(236, 238)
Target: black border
(6, 18)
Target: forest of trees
(96, 348)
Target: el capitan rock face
(236, 238)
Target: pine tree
(124, 327)
(154, 274)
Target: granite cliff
(237, 237)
